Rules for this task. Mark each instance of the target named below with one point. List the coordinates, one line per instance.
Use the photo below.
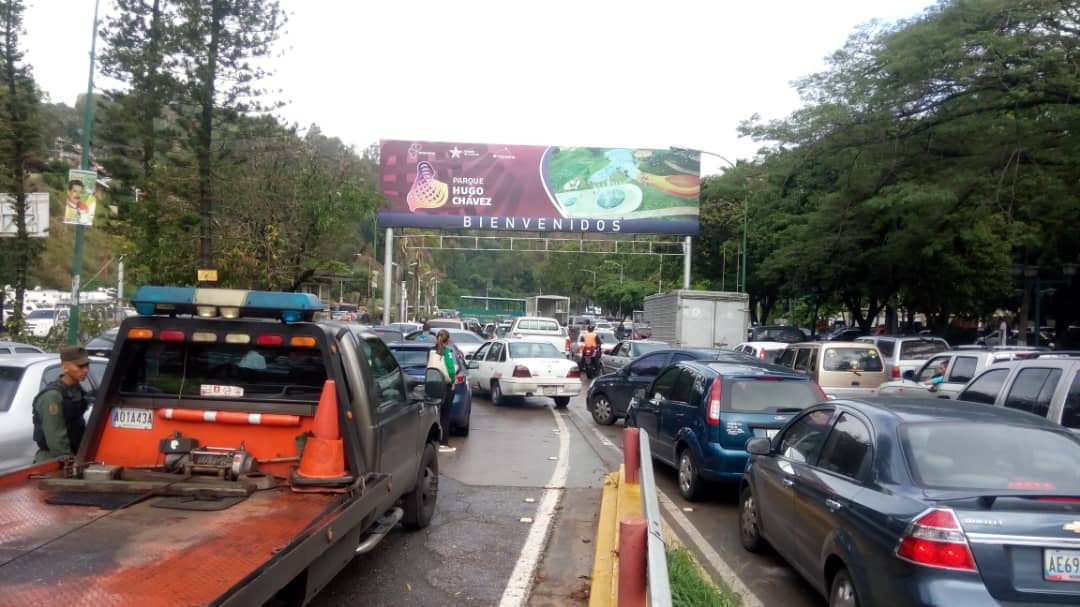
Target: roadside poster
(539, 188)
(37, 215)
(81, 202)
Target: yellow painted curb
(604, 589)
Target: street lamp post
(746, 209)
(593, 272)
(615, 263)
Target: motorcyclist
(591, 339)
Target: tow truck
(239, 452)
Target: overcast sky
(553, 72)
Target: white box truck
(698, 319)
(549, 306)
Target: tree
(220, 44)
(19, 137)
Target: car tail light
(574, 371)
(713, 414)
(459, 378)
(896, 371)
(935, 539)
(567, 344)
(761, 354)
(522, 371)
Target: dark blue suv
(700, 415)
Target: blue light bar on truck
(228, 303)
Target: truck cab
(303, 442)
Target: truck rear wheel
(419, 504)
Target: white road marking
(521, 580)
(749, 599)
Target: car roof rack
(1054, 354)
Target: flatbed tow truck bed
(78, 555)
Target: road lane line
(749, 599)
(521, 580)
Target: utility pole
(84, 164)
(120, 289)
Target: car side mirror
(759, 445)
(434, 387)
(909, 375)
(473, 364)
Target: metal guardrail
(658, 584)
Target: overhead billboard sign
(467, 186)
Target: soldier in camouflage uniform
(59, 408)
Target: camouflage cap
(75, 354)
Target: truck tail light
(896, 371)
(522, 371)
(935, 539)
(713, 413)
(574, 371)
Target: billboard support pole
(388, 278)
(686, 263)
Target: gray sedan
(626, 351)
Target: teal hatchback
(699, 415)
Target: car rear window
(784, 334)
(852, 359)
(991, 456)
(218, 370)
(766, 394)
(534, 350)
(538, 325)
(921, 350)
(9, 384)
(410, 358)
(640, 348)
(885, 346)
(436, 323)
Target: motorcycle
(590, 361)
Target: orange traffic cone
(323, 461)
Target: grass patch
(690, 589)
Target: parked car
(388, 333)
(544, 329)
(609, 395)
(905, 353)
(776, 333)
(102, 344)
(842, 369)
(960, 367)
(22, 376)
(12, 347)
(767, 351)
(699, 415)
(898, 502)
(524, 367)
(1045, 383)
(625, 351)
(413, 356)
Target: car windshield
(785, 334)
(642, 347)
(991, 457)
(39, 314)
(465, 337)
(9, 383)
(410, 357)
(217, 370)
(852, 359)
(533, 350)
(921, 350)
(770, 394)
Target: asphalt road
(492, 497)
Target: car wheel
(749, 522)
(419, 504)
(496, 394)
(463, 429)
(689, 481)
(602, 411)
(843, 592)
(561, 402)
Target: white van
(41, 322)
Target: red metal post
(632, 454)
(633, 543)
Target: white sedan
(22, 376)
(523, 367)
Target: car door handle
(788, 482)
(833, 505)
